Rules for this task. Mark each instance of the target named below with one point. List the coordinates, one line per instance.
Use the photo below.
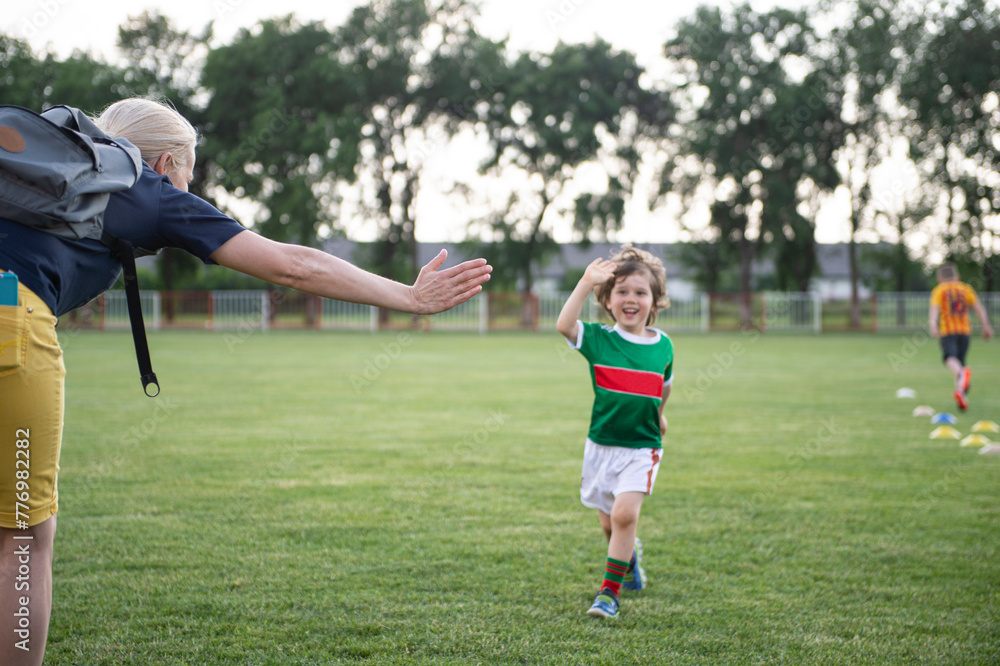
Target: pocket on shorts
(13, 338)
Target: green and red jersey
(628, 374)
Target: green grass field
(408, 498)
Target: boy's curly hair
(633, 260)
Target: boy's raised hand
(600, 271)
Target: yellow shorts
(31, 418)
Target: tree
(162, 60)
(952, 88)
(302, 115)
(893, 267)
(38, 82)
(411, 60)
(756, 124)
(555, 113)
(19, 73)
(866, 55)
(278, 130)
(166, 63)
(805, 122)
(708, 264)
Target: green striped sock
(614, 574)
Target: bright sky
(640, 26)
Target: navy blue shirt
(153, 215)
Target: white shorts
(611, 470)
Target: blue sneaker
(605, 605)
(635, 577)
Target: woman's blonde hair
(633, 260)
(153, 127)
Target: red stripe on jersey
(634, 382)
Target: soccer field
(408, 498)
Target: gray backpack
(57, 171)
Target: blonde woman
(57, 275)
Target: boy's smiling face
(631, 301)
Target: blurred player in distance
(950, 303)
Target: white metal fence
(348, 316)
(785, 311)
(777, 311)
(473, 315)
(682, 315)
(240, 310)
(550, 304)
(686, 315)
(904, 311)
(231, 310)
(116, 309)
(792, 311)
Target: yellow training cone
(945, 432)
(975, 440)
(985, 426)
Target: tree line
(751, 121)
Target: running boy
(949, 320)
(631, 368)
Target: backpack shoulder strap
(125, 252)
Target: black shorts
(954, 346)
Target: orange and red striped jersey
(955, 300)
